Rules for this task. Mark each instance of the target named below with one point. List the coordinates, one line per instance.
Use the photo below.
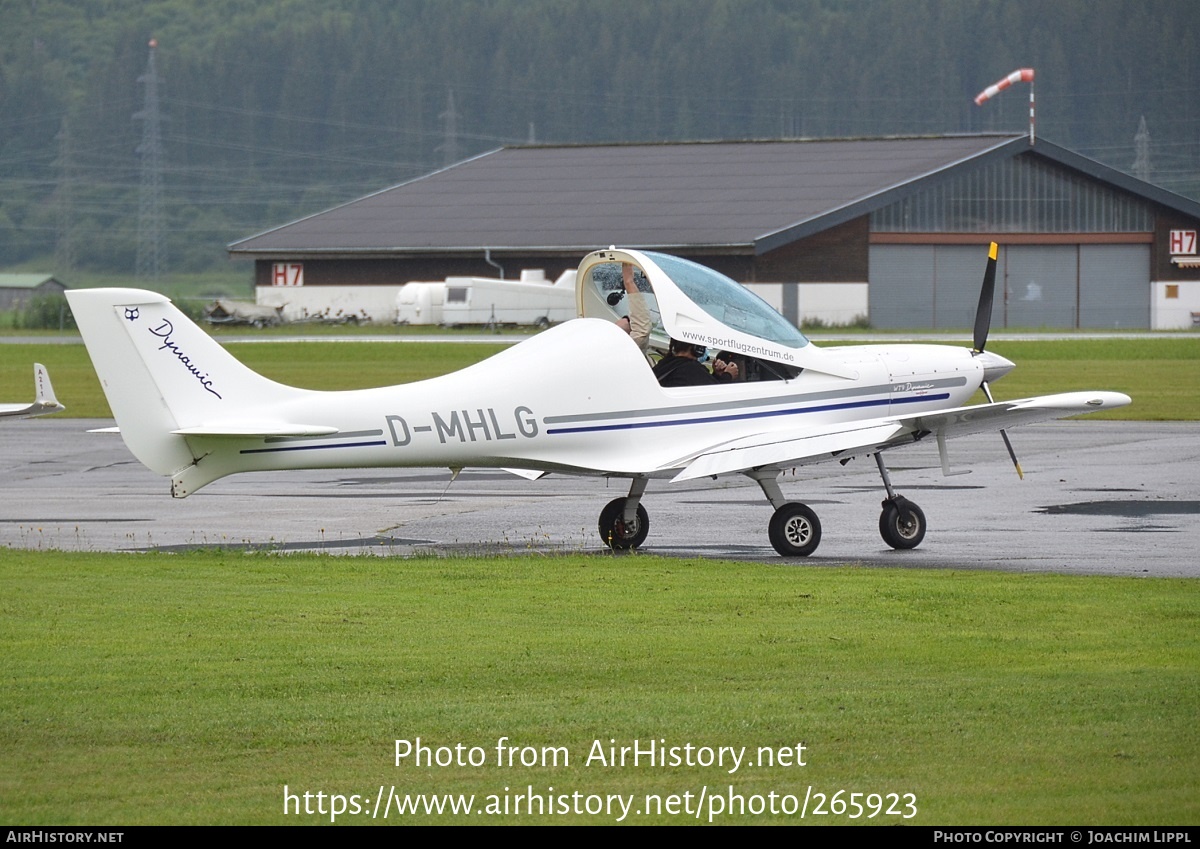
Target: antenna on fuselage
(453, 477)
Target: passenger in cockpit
(754, 369)
(637, 324)
(727, 363)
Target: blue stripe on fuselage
(311, 447)
(743, 416)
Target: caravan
(456, 301)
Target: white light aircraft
(44, 402)
(579, 399)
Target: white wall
(1174, 313)
(772, 293)
(833, 303)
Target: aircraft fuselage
(536, 407)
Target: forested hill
(272, 110)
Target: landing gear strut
(795, 530)
(624, 522)
(901, 524)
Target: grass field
(193, 688)
(1162, 375)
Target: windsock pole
(1024, 75)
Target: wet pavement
(1115, 498)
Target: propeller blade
(983, 313)
(1003, 433)
(1012, 454)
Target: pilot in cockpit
(682, 366)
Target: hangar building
(17, 290)
(891, 228)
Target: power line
(151, 248)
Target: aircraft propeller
(983, 322)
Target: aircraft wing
(44, 401)
(814, 445)
(985, 418)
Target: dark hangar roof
(753, 196)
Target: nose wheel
(901, 524)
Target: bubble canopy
(690, 302)
(729, 302)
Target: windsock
(1025, 75)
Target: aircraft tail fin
(163, 374)
(44, 399)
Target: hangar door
(1063, 286)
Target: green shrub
(45, 312)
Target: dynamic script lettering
(163, 332)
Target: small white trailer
(455, 301)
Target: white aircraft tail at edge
(578, 398)
(44, 402)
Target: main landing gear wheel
(795, 530)
(902, 524)
(618, 534)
